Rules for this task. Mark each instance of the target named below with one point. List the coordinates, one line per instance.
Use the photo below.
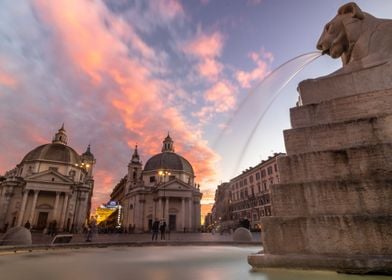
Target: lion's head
(335, 40)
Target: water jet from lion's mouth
(240, 129)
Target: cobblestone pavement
(39, 238)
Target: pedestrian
(91, 226)
(155, 230)
(27, 225)
(162, 229)
(54, 228)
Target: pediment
(49, 176)
(176, 185)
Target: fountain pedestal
(333, 206)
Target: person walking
(91, 227)
(162, 229)
(155, 230)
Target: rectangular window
(152, 179)
(276, 167)
(258, 176)
(263, 173)
(269, 170)
(251, 178)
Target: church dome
(168, 161)
(54, 152)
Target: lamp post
(162, 175)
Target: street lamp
(162, 175)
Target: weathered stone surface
(361, 264)
(16, 236)
(364, 161)
(242, 235)
(328, 235)
(367, 131)
(347, 197)
(353, 83)
(367, 105)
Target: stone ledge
(370, 79)
(342, 135)
(359, 162)
(358, 264)
(365, 105)
(349, 197)
(328, 234)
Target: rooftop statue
(360, 39)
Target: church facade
(52, 184)
(163, 190)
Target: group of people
(158, 227)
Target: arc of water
(252, 92)
(248, 103)
(250, 137)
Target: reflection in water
(158, 263)
(241, 127)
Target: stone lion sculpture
(360, 39)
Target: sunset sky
(125, 72)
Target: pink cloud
(169, 9)
(205, 46)
(222, 96)
(7, 80)
(262, 59)
(93, 43)
(210, 68)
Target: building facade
(221, 209)
(250, 191)
(163, 190)
(52, 184)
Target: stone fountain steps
(347, 134)
(359, 82)
(348, 108)
(345, 164)
(352, 197)
(337, 235)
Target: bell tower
(135, 169)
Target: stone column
(64, 212)
(167, 210)
(190, 201)
(154, 209)
(32, 212)
(4, 204)
(55, 207)
(160, 208)
(22, 208)
(183, 212)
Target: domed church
(52, 185)
(164, 190)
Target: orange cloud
(120, 65)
